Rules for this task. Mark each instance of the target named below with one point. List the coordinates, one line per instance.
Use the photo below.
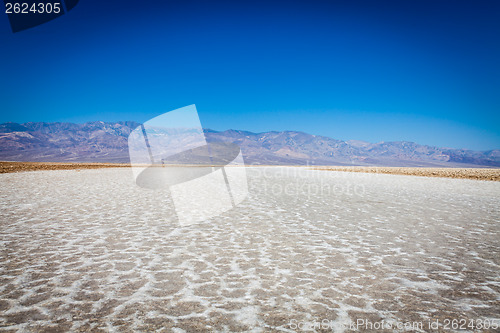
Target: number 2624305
(35, 8)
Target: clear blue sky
(423, 71)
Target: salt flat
(88, 250)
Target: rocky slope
(107, 142)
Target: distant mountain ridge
(107, 142)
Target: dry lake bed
(307, 250)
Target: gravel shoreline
(461, 173)
(8, 167)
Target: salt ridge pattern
(87, 250)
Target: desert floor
(88, 250)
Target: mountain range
(107, 142)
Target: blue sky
(423, 71)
